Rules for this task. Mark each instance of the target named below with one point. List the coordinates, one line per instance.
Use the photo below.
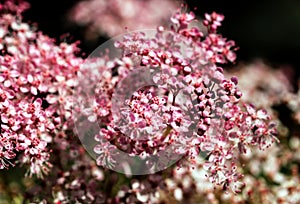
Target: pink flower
(213, 21)
(197, 108)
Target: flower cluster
(190, 106)
(36, 79)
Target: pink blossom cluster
(36, 78)
(270, 176)
(194, 108)
(111, 18)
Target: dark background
(262, 29)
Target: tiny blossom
(213, 21)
